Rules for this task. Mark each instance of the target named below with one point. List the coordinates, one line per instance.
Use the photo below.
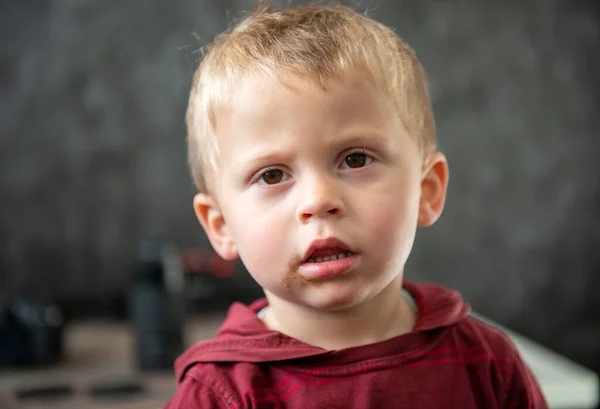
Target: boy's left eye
(356, 160)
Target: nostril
(309, 212)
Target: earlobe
(434, 184)
(211, 218)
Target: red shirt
(449, 360)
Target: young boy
(312, 145)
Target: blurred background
(93, 161)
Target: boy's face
(304, 174)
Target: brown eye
(356, 160)
(272, 176)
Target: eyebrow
(263, 155)
(362, 137)
(267, 154)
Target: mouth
(332, 255)
(325, 250)
(328, 258)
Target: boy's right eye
(272, 177)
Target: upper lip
(326, 243)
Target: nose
(319, 198)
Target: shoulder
(485, 351)
(497, 355)
(492, 344)
(479, 331)
(205, 385)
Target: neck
(385, 316)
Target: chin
(334, 301)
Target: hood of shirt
(244, 338)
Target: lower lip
(327, 269)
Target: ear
(211, 218)
(434, 184)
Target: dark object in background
(156, 306)
(209, 282)
(30, 333)
(116, 389)
(44, 392)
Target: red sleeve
(523, 390)
(193, 394)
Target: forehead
(267, 109)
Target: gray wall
(92, 155)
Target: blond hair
(314, 42)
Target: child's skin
(297, 164)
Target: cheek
(260, 238)
(392, 222)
